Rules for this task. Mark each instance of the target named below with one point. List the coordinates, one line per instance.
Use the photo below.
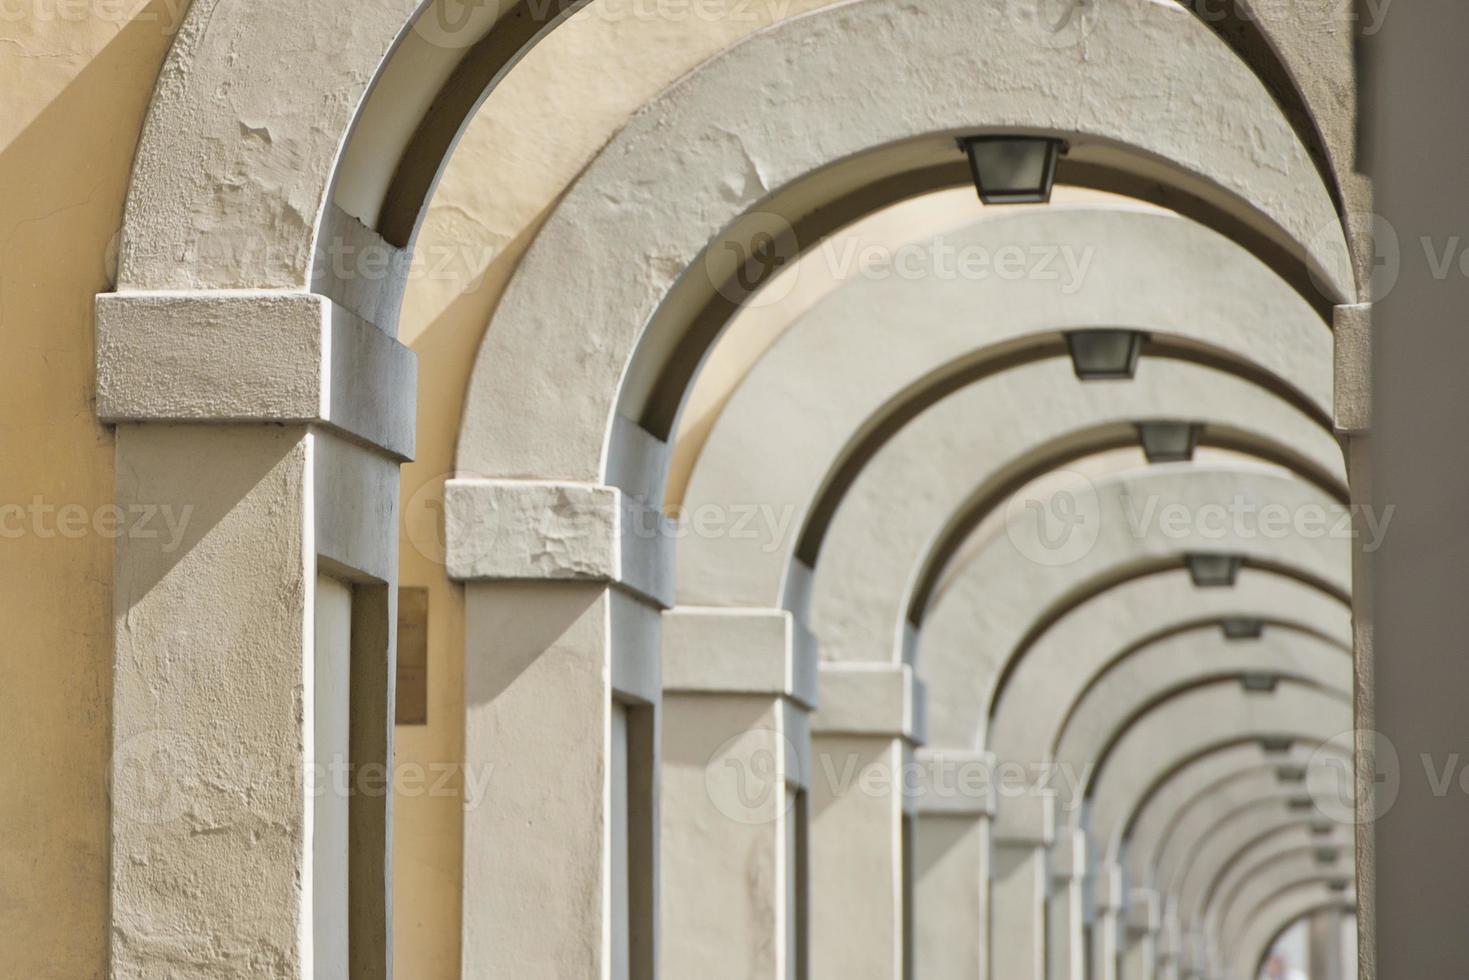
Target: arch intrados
(991, 497)
(1203, 683)
(1260, 778)
(1243, 827)
(1146, 852)
(1234, 921)
(1294, 711)
(958, 335)
(904, 407)
(1301, 836)
(1183, 866)
(1013, 609)
(1220, 907)
(1279, 913)
(1131, 571)
(1075, 648)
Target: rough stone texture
(257, 356)
(212, 653)
(1353, 361)
(507, 529)
(830, 91)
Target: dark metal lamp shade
(1104, 355)
(1169, 442)
(1213, 571)
(1013, 169)
(1243, 628)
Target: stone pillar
(1170, 945)
(1025, 829)
(863, 736)
(738, 688)
(1196, 961)
(259, 436)
(1352, 411)
(1419, 886)
(1066, 917)
(1107, 930)
(1140, 956)
(951, 865)
(565, 584)
(1326, 945)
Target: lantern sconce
(1105, 355)
(1291, 774)
(1276, 744)
(1213, 570)
(1169, 442)
(1242, 628)
(1259, 682)
(1013, 169)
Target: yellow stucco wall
(75, 80)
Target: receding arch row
(1211, 784)
(677, 228)
(1064, 663)
(1278, 913)
(1322, 722)
(810, 401)
(1012, 601)
(891, 418)
(1091, 732)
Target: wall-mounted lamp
(1169, 442)
(1213, 570)
(1259, 683)
(1013, 169)
(1105, 355)
(1242, 628)
(1291, 774)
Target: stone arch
(876, 355)
(1236, 917)
(840, 155)
(1292, 841)
(1192, 725)
(1278, 913)
(1053, 675)
(1001, 599)
(1150, 677)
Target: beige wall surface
(75, 79)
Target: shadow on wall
(77, 86)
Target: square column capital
(739, 651)
(528, 530)
(266, 356)
(872, 699)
